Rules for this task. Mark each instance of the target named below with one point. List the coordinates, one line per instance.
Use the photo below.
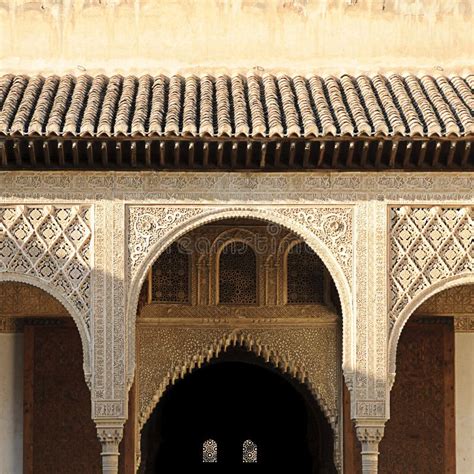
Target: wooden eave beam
(262, 153)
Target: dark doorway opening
(232, 399)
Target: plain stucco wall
(303, 36)
(464, 402)
(11, 403)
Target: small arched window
(209, 451)
(237, 274)
(305, 276)
(249, 452)
(170, 276)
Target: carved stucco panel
(464, 324)
(369, 387)
(380, 283)
(331, 225)
(431, 249)
(428, 244)
(454, 301)
(328, 230)
(309, 354)
(110, 333)
(50, 246)
(147, 225)
(20, 301)
(52, 243)
(119, 298)
(357, 380)
(99, 294)
(213, 187)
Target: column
(110, 435)
(369, 433)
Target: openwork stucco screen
(249, 452)
(209, 451)
(170, 276)
(237, 274)
(304, 276)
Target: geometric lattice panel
(305, 275)
(428, 244)
(52, 243)
(249, 452)
(171, 276)
(209, 451)
(237, 274)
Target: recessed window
(249, 452)
(237, 274)
(170, 276)
(209, 451)
(305, 276)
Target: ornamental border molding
(151, 229)
(239, 187)
(464, 324)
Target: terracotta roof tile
(249, 105)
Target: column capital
(110, 434)
(370, 432)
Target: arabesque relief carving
(20, 300)
(302, 340)
(367, 245)
(167, 353)
(331, 225)
(455, 301)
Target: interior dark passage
(230, 400)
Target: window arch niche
(170, 276)
(304, 276)
(237, 274)
(249, 451)
(209, 451)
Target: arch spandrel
(327, 230)
(431, 251)
(404, 316)
(50, 247)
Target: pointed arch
(76, 316)
(250, 343)
(410, 308)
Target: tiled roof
(252, 105)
